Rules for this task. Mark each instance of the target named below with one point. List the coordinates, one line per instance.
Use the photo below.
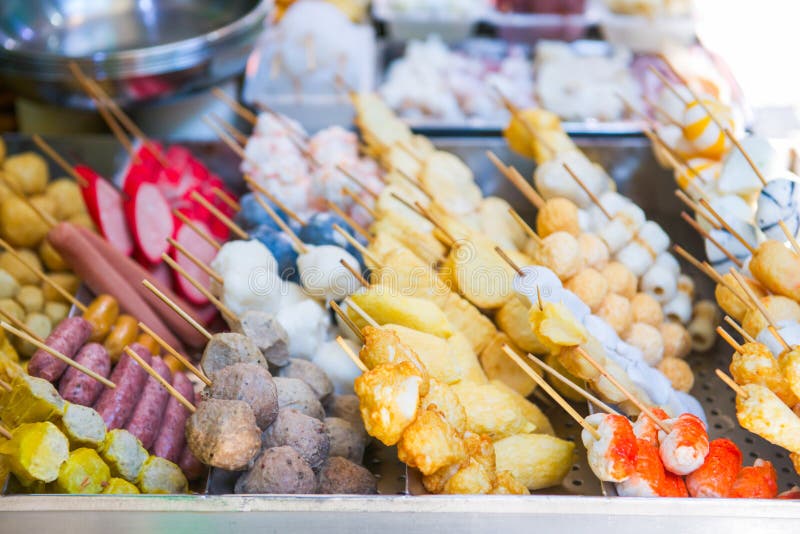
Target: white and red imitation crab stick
(715, 478)
(648, 477)
(647, 429)
(612, 457)
(686, 446)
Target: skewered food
(83, 472)
(250, 383)
(295, 393)
(685, 447)
(613, 457)
(345, 439)
(341, 476)
(223, 433)
(35, 452)
(278, 470)
(304, 434)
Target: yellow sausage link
(149, 343)
(123, 333)
(102, 313)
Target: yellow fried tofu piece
(441, 397)
(556, 327)
(468, 320)
(378, 124)
(531, 412)
(430, 443)
(422, 243)
(471, 479)
(789, 362)
(83, 426)
(755, 364)
(83, 472)
(499, 367)
(35, 452)
(764, 414)
(535, 460)
(387, 306)
(434, 352)
(382, 345)
(461, 351)
(118, 486)
(30, 400)
(564, 390)
(513, 320)
(159, 475)
(490, 412)
(389, 397)
(549, 137)
(481, 275)
(123, 453)
(506, 484)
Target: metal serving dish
(140, 49)
(576, 507)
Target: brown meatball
(229, 348)
(267, 334)
(223, 433)
(309, 373)
(247, 382)
(304, 434)
(340, 475)
(346, 440)
(278, 470)
(346, 407)
(294, 393)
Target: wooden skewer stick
(358, 246)
(300, 247)
(5, 433)
(360, 201)
(364, 315)
(694, 206)
(257, 187)
(509, 261)
(760, 306)
(56, 354)
(710, 272)
(237, 108)
(674, 158)
(741, 331)
(353, 356)
(178, 356)
(530, 232)
(697, 228)
(198, 286)
(731, 384)
(285, 122)
(354, 271)
(407, 204)
(5, 385)
(516, 179)
(416, 184)
(405, 147)
(197, 261)
(48, 219)
(669, 85)
(177, 309)
(539, 298)
(346, 319)
(631, 397)
(152, 372)
(42, 276)
(226, 138)
(204, 235)
(573, 386)
(663, 112)
(357, 181)
(22, 326)
(588, 192)
(226, 198)
(516, 112)
(552, 392)
(790, 237)
(750, 248)
(729, 340)
(747, 157)
(58, 159)
(436, 222)
(224, 219)
(349, 220)
(234, 132)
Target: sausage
(66, 338)
(172, 437)
(190, 465)
(146, 417)
(130, 270)
(101, 277)
(116, 405)
(101, 313)
(79, 388)
(123, 333)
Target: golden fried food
(590, 286)
(575, 364)
(420, 242)
(594, 251)
(646, 310)
(506, 484)
(443, 399)
(565, 391)
(556, 327)
(382, 345)
(472, 479)
(616, 310)
(535, 460)
(678, 372)
(558, 215)
(677, 343)
(468, 320)
(498, 366)
(83, 472)
(480, 274)
(778, 307)
(732, 304)
(30, 400)
(489, 412)
(560, 253)
(756, 365)
(620, 279)
(777, 268)
(530, 411)
(434, 353)
(646, 338)
(430, 443)
(35, 452)
(512, 319)
(496, 221)
(789, 362)
(386, 305)
(435, 482)
(763, 413)
(549, 134)
(389, 397)
(460, 350)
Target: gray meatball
(267, 334)
(250, 383)
(228, 348)
(346, 407)
(304, 434)
(340, 475)
(294, 393)
(346, 440)
(311, 374)
(223, 433)
(278, 470)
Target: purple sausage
(146, 417)
(190, 465)
(79, 388)
(172, 437)
(116, 405)
(66, 338)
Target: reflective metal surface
(141, 49)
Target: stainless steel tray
(577, 505)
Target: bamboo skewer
(198, 286)
(573, 386)
(152, 372)
(237, 135)
(669, 85)
(22, 326)
(790, 237)
(197, 261)
(48, 219)
(358, 200)
(346, 319)
(530, 232)
(760, 306)
(711, 273)
(346, 348)
(663, 112)
(726, 226)
(552, 392)
(358, 246)
(178, 356)
(224, 219)
(631, 397)
(517, 180)
(354, 271)
(741, 331)
(177, 309)
(357, 181)
(697, 228)
(5, 433)
(729, 340)
(258, 188)
(691, 204)
(5, 385)
(588, 192)
(731, 384)
(207, 238)
(509, 261)
(42, 276)
(349, 220)
(226, 198)
(416, 184)
(300, 247)
(372, 322)
(237, 108)
(226, 138)
(58, 159)
(56, 354)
